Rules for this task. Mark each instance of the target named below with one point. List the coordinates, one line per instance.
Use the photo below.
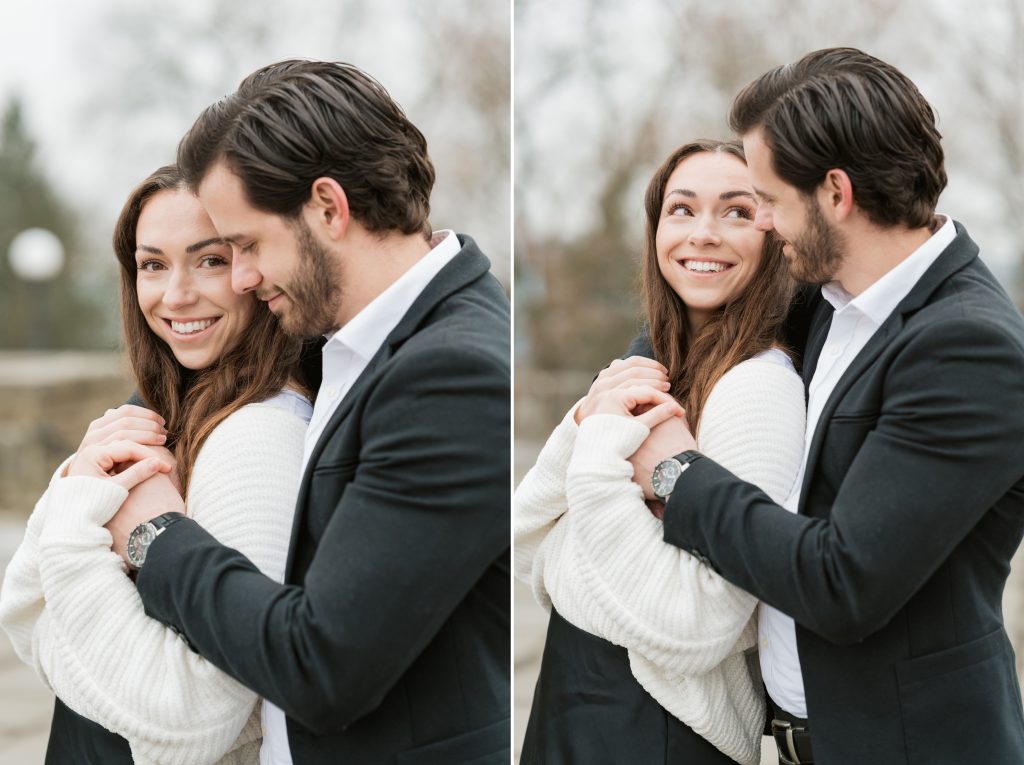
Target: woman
(645, 658)
(225, 379)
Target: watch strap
(690, 455)
(161, 522)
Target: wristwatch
(142, 537)
(667, 472)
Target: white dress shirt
(345, 356)
(855, 320)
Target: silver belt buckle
(789, 757)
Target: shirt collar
(367, 330)
(881, 298)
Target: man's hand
(151, 498)
(623, 373)
(667, 439)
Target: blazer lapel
(466, 267)
(958, 254)
(816, 341)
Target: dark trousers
(76, 740)
(589, 709)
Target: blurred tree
(27, 200)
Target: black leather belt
(793, 742)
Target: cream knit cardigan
(73, 614)
(586, 543)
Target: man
(389, 639)
(881, 576)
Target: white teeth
(190, 327)
(703, 266)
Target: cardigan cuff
(79, 506)
(603, 435)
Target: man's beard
(315, 289)
(818, 250)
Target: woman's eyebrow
(205, 243)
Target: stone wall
(47, 400)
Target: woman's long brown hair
(193, 403)
(744, 327)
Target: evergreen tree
(27, 200)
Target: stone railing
(46, 402)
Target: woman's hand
(623, 373)
(124, 462)
(643, 403)
(126, 423)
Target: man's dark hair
(841, 108)
(292, 122)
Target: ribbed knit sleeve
(625, 584)
(753, 425)
(110, 662)
(538, 503)
(608, 571)
(21, 595)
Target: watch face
(138, 543)
(663, 480)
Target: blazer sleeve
(614, 576)
(426, 514)
(539, 502)
(946, 447)
(102, 654)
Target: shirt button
(834, 350)
(764, 642)
(332, 392)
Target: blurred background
(604, 90)
(94, 95)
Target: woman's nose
(180, 291)
(705, 231)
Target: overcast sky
(80, 66)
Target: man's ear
(327, 208)
(835, 195)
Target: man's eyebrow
(205, 243)
(764, 195)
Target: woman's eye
(150, 265)
(213, 261)
(739, 212)
(679, 209)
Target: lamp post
(37, 257)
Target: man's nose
(763, 218)
(244, 277)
